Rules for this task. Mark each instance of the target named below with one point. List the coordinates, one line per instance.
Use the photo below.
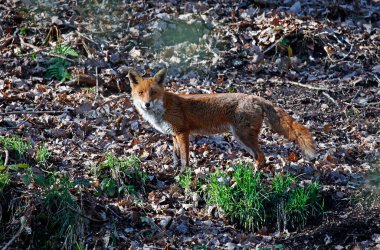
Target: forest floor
(63, 89)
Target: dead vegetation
(79, 168)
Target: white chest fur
(155, 116)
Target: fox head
(147, 92)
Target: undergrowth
(120, 175)
(59, 219)
(57, 66)
(250, 201)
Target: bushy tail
(285, 125)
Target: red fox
(180, 115)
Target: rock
(115, 58)
(55, 20)
(376, 238)
(135, 53)
(230, 246)
(165, 221)
(129, 230)
(182, 228)
(296, 8)
(83, 108)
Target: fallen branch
(23, 220)
(307, 86)
(59, 56)
(33, 112)
(303, 85)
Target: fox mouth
(146, 108)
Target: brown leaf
(327, 128)
(292, 157)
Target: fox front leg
(183, 143)
(176, 153)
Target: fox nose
(147, 104)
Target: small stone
(376, 238)
(129, 230)
(324, 106)
(115, 58)
(55, 20)
(230, 246)
(165, 221)
(182, 228)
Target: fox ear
(134, 76)
(160, 76)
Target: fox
(180, 115)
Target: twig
(331, 99)
(6, 157)
(113, 99)
(274, 44)
(304, 85)
(23, 43)
(59, 56)
(85, 216)
(97, 83)
(23, 225)
(17, 234)
(108, 208)
(84, 36)
(33, 112)
(307, 86)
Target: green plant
(303, 203)
(108, 185)
(58, 65)
(43, 154)
(57, 69)
(185, 179)
(60, 210)
(250, 201)
(242, 198)
(294, 203)
(16, 144)
(22, 31)
(79, 246)
(65, 50)
(4, 180)
(121, 175)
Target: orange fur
(181, 115)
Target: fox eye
(153, 92)
(140, 92)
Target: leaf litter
(318, 60)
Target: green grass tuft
(185, 180)
(250, 201)
(57, 66)
(16, 144)
(120, 176)
(43, 154)
(241, 197)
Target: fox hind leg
(248, 139)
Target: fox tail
(283, 124)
